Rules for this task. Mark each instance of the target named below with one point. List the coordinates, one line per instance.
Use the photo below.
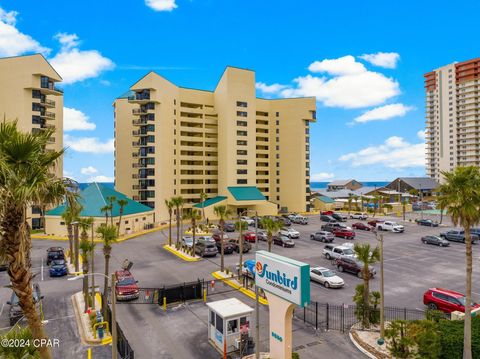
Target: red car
(374, 222)
(445, 300)
(126, 286)
(327, 213)
(216, 236)
(249, 236)
(344, 233)
(361, 226)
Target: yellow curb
(232, 284)
(106, 340)
(180, 255)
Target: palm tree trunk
(366, 297)
(269, 237)
(467, 330)
(105, 285)
(119, 223)
(17, 247)
(75, 239)
(106, 218)
(85, 282)
(170, 230)
(70, 240)
(93, 271)
(222, 248)
(178, 225)
(194, 226)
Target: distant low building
(424, 185)
(349, 184)
(135, 216)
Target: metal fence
(325, 316)
(125, 351)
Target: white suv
(290, 232)
(390, 226)
(332, 251)
(358, 215)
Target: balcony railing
(49, 115)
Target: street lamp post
(76, 245)
(114, 312)
(381, 340)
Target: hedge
(451, 338)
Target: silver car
(326, 277)
(322, 236)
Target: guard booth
(229, 319)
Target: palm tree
(222, 212)
(349, 201)
(122, 203)
(105, 210)
(460, 196)
(22, 335)
(178, 203)
(361, 200)
(367, 256)
(70, 215)
(86, 247)
(111, 200)
(203, 197)
(355, 198)
(170, 205)
(25, 179)
(109, 236)
(271, 227)
(194, 216)
(375, 200)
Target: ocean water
(323, 185)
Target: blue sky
(364, 63)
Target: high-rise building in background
(28, 94)
(452, 117)
(240, 150)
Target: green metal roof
(94, 197)
(246, 193)
(210, 201)
(325, 199)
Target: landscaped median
(181, 254)
(86, 322)
(232, 282)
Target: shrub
(451, 338)
(19, 351)
(295, 355)
(400, 343)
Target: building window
(242, 172)
(242, 114)
(241, 162)
(241, 104)
(241, 181)
(242, 123)
(277, 114)
(241, 143)
(277, 122)
(241, 152)
(241, 133)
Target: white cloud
(383, 59)
(76, 65)
(12, 41)
(74, 119)
(421, 135)
(394, 153)
(101, 178)
(269, 89)
(89, 144)
(384, 113)
(345, 65)
(161, 5)
(90, 170)
(322, 176)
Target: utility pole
(381, 340)
(114, 319)
(256, 231)
(257, 313)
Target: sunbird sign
(287, 278)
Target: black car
(236, 245)
(326, 218)
(441, 242)
(283, 241)
(285, 220)
(228, 247)
(15, 313)
(426, 222)
(54, 253)
(352, 265)
(229, 227)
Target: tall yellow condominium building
(28, 94)
(242, 151)
(452, 128)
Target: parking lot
(410, 268)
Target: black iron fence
(325, 316)
(125, 351)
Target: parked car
(326, 277)
(218, 235)
(340, 217)
(390, 226)
(344, 226)
(188, 241)
(326, 218)
(426, 222)
(205, 239)
(126, 287)
(352, 265)
(236, 245)
(54, 253)
(15, 313)
(290, 232)
(285, 220)
(439, 241)
(262, 236)
(446, 300)
(291, 216)
(228, 246)
(374, 222)
(58, 268)
(283, 241)
(456, 235)
(344, 233)
(206, 249)
(327, 213)
(300, 219)
(331, 251)
(249, 236)
(247, 220)
(329, 227)
(322, 236)
(362, 226)
(229, 227)
(358, 215)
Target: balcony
(47, 102)
(139, 111)
(48, 115)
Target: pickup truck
(390, 226)
(457, 236)
(330, 227)
(340, 217)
